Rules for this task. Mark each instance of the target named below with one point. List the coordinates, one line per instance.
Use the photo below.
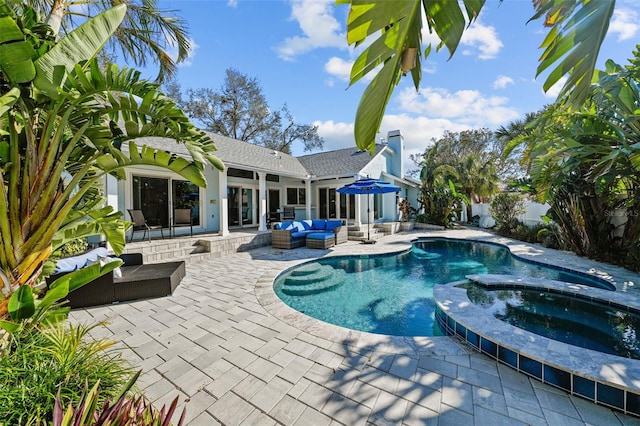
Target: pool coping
(604, 379)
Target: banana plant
(65, 124)
(393, 30)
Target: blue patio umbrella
(368, 186)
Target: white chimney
(396, 143)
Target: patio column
(262, 209)
(224, 203)
(307, 197)
(358, 218)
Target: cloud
(172, 50)
(502, 81)
(417, 132)
(484, 38)
(478, 39)
(625, 23)
(319, 27)
(338, 68)
(232, 3)
(554, 90)
(469, 107)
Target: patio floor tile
(235, 354)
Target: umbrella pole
(368, 218)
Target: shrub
(40, 362)
(505, 209)
(71, 248)
(126, 411)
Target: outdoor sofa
(134, 280)
(316, 233)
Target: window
(273, 178)
(246, 174)
(296, 196)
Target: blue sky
(297, 50)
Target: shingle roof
(341, 162)
(239, 154)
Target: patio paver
(233, 355)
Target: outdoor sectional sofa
(136, 281)
(316, 233)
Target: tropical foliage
(392, 32)
(586, 164)
(126, 410)
(36, 364)
(468, 159)
(65, 124)
(145, 34)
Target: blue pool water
(567, 319)
(393, 294)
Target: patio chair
(289, 213)
(140, 224)
(182, 217)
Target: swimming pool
(392, 294)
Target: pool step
(324, 273)
(423, 254)
(314, 287)
(308, 269)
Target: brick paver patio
(235, 357)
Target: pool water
(393, 294)
(567, 319)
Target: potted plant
(405, 214)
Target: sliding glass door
(153, 197)
(241, 207)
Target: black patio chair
(289, 213)
(140, 224)
(182, 217)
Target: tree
(576, 31)
(477, 179)
(240, 111)
(144, 34)
(586, 164)
(64, 125)
(513, 152)
(469, 159)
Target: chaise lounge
(316, 233)
(135, 280)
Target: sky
(297, 51)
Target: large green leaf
(399, 24)
(81, 44)
(573, 43)
(22, 303)
(16, 54)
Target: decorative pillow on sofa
(319, 224)
(69, 264)
(308, 224)
(298, 225)
(286, 226)
(117, 273)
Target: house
(259, 183)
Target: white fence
(531, 216)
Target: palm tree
(65, 124)
(144, 34)
(576, 31)
(512, 139)
(476, 179)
